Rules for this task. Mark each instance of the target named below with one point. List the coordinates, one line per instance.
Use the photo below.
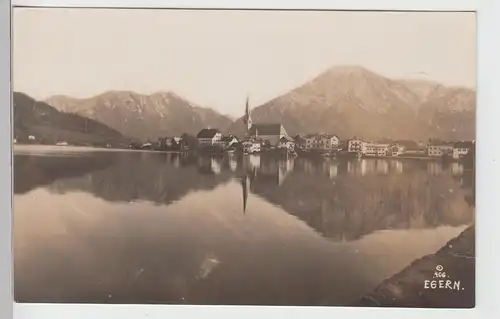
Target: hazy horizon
(264, 54)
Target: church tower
(247, 119)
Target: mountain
(353, 101)
(48, 125)
(143, 116)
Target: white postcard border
(488, 177)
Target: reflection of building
(254, 161)
(357, 167)
(233, 164)
(176, 161)
(350, 207)
(396, 167)
(270, 133)
(321, 142)
(434, 168)
(382, 167)
(210, 137)
(457, 168)
(333, 170)
(370, 166)
(215, 166)
(288, 165)
(284, 169)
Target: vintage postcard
(244, 157)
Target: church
(271, 133)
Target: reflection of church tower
(244, 185)
(247, 119)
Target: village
(273, 139)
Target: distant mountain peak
(352, 100)
(349, 69)
(50, 125)
(144, 116)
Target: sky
(216, 58)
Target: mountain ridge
(354, 101)
(346, 100)
(49, 125)
(144, 116)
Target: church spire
(247, 119)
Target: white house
(373, 149)
(271, 133)
(323, 142)
(229, 140)
(396, 150)
(461, 148)
(356, 145)
(286, 142)
(251, 147)
(439, 150)
(209, 137)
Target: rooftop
(207, 133)
(267, 129)
(463, 144)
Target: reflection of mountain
(351, 203)
(341, 200)
(35, 171)
(159, 178)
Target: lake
(94, 226)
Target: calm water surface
(138, 227)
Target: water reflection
(150, 227)
(369, 195)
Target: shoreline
(26, 148)
(70, 148)
(419, 286)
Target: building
(170, 143)
(356, 145)
(461, 149)
(251, 147)
(321, 142)
(229, 140)
(373, 149)
(269, 133)
(396, 150)
(300, 141)
(439, 150)
(209, 137)
(287, 142)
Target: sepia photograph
(244, 157)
